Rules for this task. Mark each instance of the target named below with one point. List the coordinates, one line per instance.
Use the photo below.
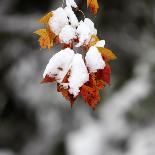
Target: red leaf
(104, 74)
(90, 96)
(66, 94)
(48, 79)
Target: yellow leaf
(93, 4)
(94, 39)
(107, 54)
(46, 38)
(41, 32)
(45, 19)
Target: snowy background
(36, 120)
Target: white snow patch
(85, 30)
(79, 75)
(59, 64)
(72, 17)
(67, 34)
(94, 60)
(71, 3)
(100, 43)
(58, 20)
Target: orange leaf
(90, 95)
(66, 94)
(107, 54)
(45, 19)
(48, 79)
(93, 4)
(95, 81)
(46, 38)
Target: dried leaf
(107, 54)
(46, 38)
(66, 94)
(90, 96)
(95, 81)
(45, 19)
(104, 74)
(93, 4)
(48, 79)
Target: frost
(58, 20)
(94, 60)
(59, 64)
(71, 3)
(85, 30)
(67, 34)
(72, 17)
(100, 43)
(79, 75)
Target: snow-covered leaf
(94, 60)
(67, 34)
(58, 20)
(78, 76)
(71, 3)
(59, 64)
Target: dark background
(36, 120)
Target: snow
(71, 3)
(79, 75)
(72, 17)
(58, 20)
(59, 64)
(100, 43)
(94, 60)
(67, 34)
(85, 30)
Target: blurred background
(36, 120)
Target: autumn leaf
(48, 79)
(107, 54)
(90, 96)
(46, 38)
(94, 39)
(45, 19)
(66, 94)
(95, 81)
(104, 74)
(93, 4)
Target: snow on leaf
(84, 31)
(94, 60)
(71, 17)
(46, 38)
(100, 43)
(58, 20)
(45, 19)
(67, 34)
(78, 76)
(59, 64)
(107, 54)
(70, 3)
(93, 4)
(90, 96)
